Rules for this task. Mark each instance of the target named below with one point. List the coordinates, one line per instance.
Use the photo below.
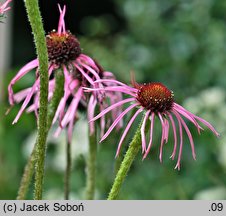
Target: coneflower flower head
(154, 100)
(79, 71)
(155, 97)
(62, 47)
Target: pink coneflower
(4, 7)
(154, 100)
(79, 71)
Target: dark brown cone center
(155, 97)
(62, 48)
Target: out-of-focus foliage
(180, 43)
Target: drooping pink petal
(143, 137)
(117, 111)
(67, 75)
(102, 123)
(88, 60)
(108, 75)
(34, 89)
(200, 119)
(111, 88)
(181, 141)
(152, 118)
(35, 105)
(117, 120)
(187, 115)
(208, 125)
(163, 136)
(166, 130)
(83, 73)
(114, 97)
(90, 113)
(70, 114)
(69, 87)
(127, 129)
(24, 70)
(27, 100)
(189, 136)
(74, 104)
(4, 7)
(175, 136)
(91, 70)
(61, 107)
(19, 96)
(71, 126)
(73, 85)
(116, 82)
(112, 107)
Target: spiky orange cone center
(155, 97)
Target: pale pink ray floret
(154, 100)
(79, 71)
(4, 7)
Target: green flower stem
(27, 176)
(119, 159)
(67, 171)
(57, 95)
(91, 168)
(29, 169)
(131, 153)
(35, 20)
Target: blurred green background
(181, 43)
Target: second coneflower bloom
(79, 71)
(155, 101)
